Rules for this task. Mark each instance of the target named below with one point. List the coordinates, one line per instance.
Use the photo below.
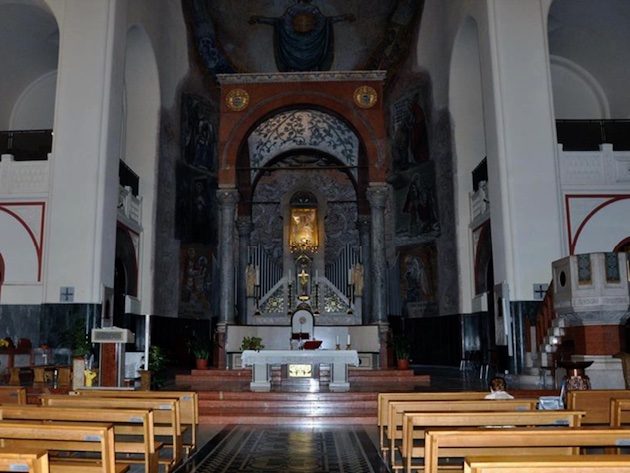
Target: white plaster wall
(466, 105)
(84, 167)
(604, 229)
(18, 251)
(576, 93)
(171, 49)
(35, 108)
(518, 115)
(141, 124)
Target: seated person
(498, 388)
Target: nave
(316, 447)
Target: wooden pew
(394, 424)
(549, 464)
(596, 403)
(166, 416)
(385, 398)
(188, 404)
(72, 437)
(24, 459)
(416, 424)
(619, 409)
(514, 441)
(12, 395)
(133, 428)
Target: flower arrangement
(5, 343)
(252, 343)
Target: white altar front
(261, 362)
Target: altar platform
(225, 396)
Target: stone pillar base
(606, 372)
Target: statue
(303, 37)
(357, 278)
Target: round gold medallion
(365, 96)
(237, 100)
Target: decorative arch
(339, 95)
(483, 259)
(1, 274)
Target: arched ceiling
(368, 34)
(29, 36)
(595, 35)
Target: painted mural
(418, 275)
(300, 35)
(412, 174)
(196, 210)
(196, 266)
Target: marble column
(377, 196)
(364, 224)
(227, 199)
(244, 227)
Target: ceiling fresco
(244, 36)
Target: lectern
(112, 353)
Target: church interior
(447, 178)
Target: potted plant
(157, 367)
(252, 343)
(200, 348)
(402, 349)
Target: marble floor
(330, 449)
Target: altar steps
(225, 397)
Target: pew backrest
(63, 436)
(385, 398)
(596, 403)
(415, 424)
(392, 430)
(12, 395)
(166, 415)
(188, 405)
(515, 441)
(548, 464)
(24, 459)
(134, 428)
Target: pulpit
(112, 360)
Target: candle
(337, 339)
(348, 340)
(316, 275)
(257, 276)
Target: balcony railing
(26, 145)
(587, 135)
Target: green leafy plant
(252, 343)
(401, 346)
(78, 339)
(200, 347)
(157, 366)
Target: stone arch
(467, 112)
(140, 143)
(270, 99)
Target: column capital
(364, 223)
(227, 197)
(377, 195)
(244, 226)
